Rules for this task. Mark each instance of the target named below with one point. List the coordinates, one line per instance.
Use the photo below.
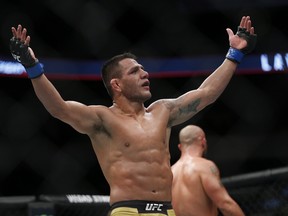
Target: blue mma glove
(237, 55)
(21, 53)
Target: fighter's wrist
(235, 55)
(35, 71)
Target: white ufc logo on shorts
(153, 207)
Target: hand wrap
(236, 55)
(21, 53)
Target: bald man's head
(193, 135)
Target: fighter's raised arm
(67, 111)
(188, 104)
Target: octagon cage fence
(263, 193)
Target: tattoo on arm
(192, 107)
(179, 111)
(214, 170)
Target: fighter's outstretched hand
(21, 52)
(245, 37)
(19, 47)
(243, 42)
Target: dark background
(246, 127)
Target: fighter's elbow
(58, 112)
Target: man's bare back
(192, 199)
(197, 189)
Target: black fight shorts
(142, 208)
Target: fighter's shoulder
(168, 103)
(211, 168)
(206, 165)
(99, 108)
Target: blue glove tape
(235, 55)
(35, 71)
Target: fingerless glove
(21, 53)
(237, 55)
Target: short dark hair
(111, 70)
